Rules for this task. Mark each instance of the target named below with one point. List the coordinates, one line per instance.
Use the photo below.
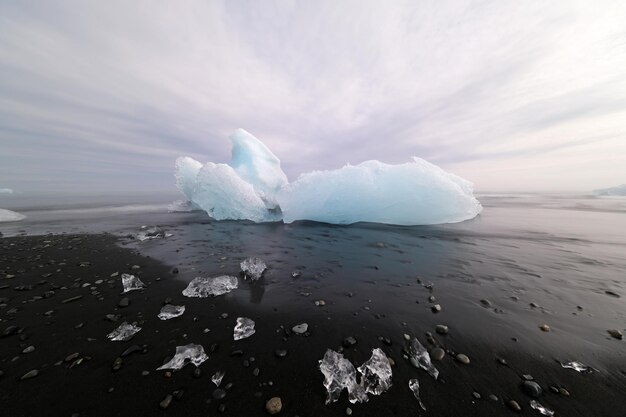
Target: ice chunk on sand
(414, 386)
(407, 194)
(149, 233)
(419, 355)
(253, 268)
(190, 353)
(124, 332)
(577, 366)
(217, 378)
(253, 187)
(376, 373)
(10, 216)
(243, 329)
(169, 311)
(203, 287)
(543, 410)
(339, 373)
(131, 283)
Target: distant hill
(619, 190)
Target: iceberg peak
(252, 186)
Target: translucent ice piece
(244, 328)
(543, 410)
(190, 353)
(376, 373)
(131, 282)
(149, 233)
(203, 287)
(419, 353)
(414, 386)
(217, 378)
(124, 332)
(577, 366)
(339, 373)
(253, 268)
(170, 311)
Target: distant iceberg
(252, 186)
(6, 191)
(10, 216)
(620, 190)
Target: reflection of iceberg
(252, 186)
(10, 216)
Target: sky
(514, 96)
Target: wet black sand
(93, 388)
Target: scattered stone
(72, 356)
(441, 329)
(616, 334)
(300, 328)
(166, 401)
(493, 397)
(485, 303)
(219, 393)
(436, 308)
(513, 405)
(117, 364)
(131, 350)
(30, 374)
(532, 389)
(274, 405)
(29, 349)
(564, 392)
(348, 411)
(612, 293)
(544, 328)
(280, 353)
(462, 358)
(349, 341)
(476, 395)
(256, 372)
(437, 354)
(124, 302)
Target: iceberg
(339, 373)
(6, 191)
(170, 311)
(190, 353)
(376, 373)
(244, 328)
(414, 386)
(124, 332)
(10, 216)
(620, 190)
(253, 268)
(131, 283)
(420, 358)
(203, 287)
(252, 186)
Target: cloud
(98, 96)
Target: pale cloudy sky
(512, 95)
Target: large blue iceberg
(252, 186)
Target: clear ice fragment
(244, 328)
(577, 366)
(203, 287)
(131, 282)
(217, 378)
(253, 268)
(419, 353)
(339, 373)
(190, 353)
(414, 386)
(149, 233)
(170, 311)
(543, 410)
(376, 373)
(124, 332)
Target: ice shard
(252, 186)
(203, 287)
(535, 405)
(339, 373)
(217, 378)
(414, 386)
(376, 373)
(243, 329)
(190, 353)
(10, 216)
(131, 283)
(253, 268)
(149, 233)
(419, 355)
(169, 311)
(124, 332)
(577, 366)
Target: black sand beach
(57, 291)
